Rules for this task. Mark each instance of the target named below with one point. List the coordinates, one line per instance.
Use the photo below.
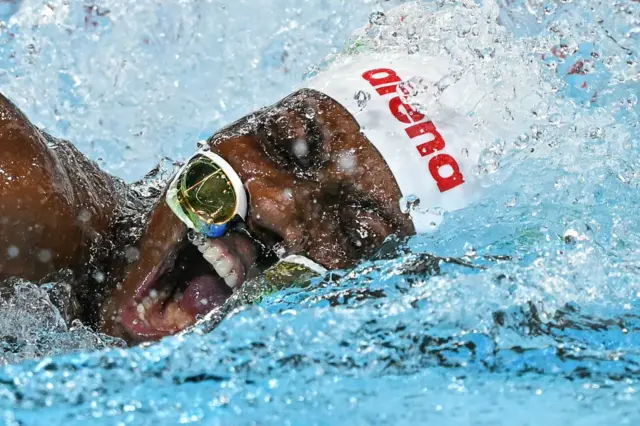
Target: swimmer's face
(317, 187)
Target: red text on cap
(385, 81)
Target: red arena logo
(385, 81)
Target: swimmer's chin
(183, 286)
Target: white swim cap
(433, 159)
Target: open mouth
(193, 280)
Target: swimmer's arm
(45, 187)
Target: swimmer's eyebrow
(282, 147)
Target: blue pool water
(539, 323)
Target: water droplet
(571, 236)
(549, 8)
(409, 203)
(347, 162)
(411, 32)
(489, 162)
(300, 148)
(13, 252)
(555, 118)
(521, 141)
(469, 250)
(412, 87)
(98, 276)
(203, 145)
(195, 238)
(310, 113)
(596, 133)
(378, 18)
(362, 98)
(84, 216)
(131, 253)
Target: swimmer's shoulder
(10, 113)
(20, 140)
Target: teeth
(141, 311)
(223, 266)
(212, 254)
(222, 263)
(146, 303)
(231, 280)
(204, 245)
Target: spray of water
(545, 286)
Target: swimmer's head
(315, 186)
(327, 173)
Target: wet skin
(55, 205)
(316, 186)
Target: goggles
(207, 194)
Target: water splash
(535, 311)
(131, 84)
(37, 321)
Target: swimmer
(328, 173)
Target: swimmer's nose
(285, 215)
(274, 215)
